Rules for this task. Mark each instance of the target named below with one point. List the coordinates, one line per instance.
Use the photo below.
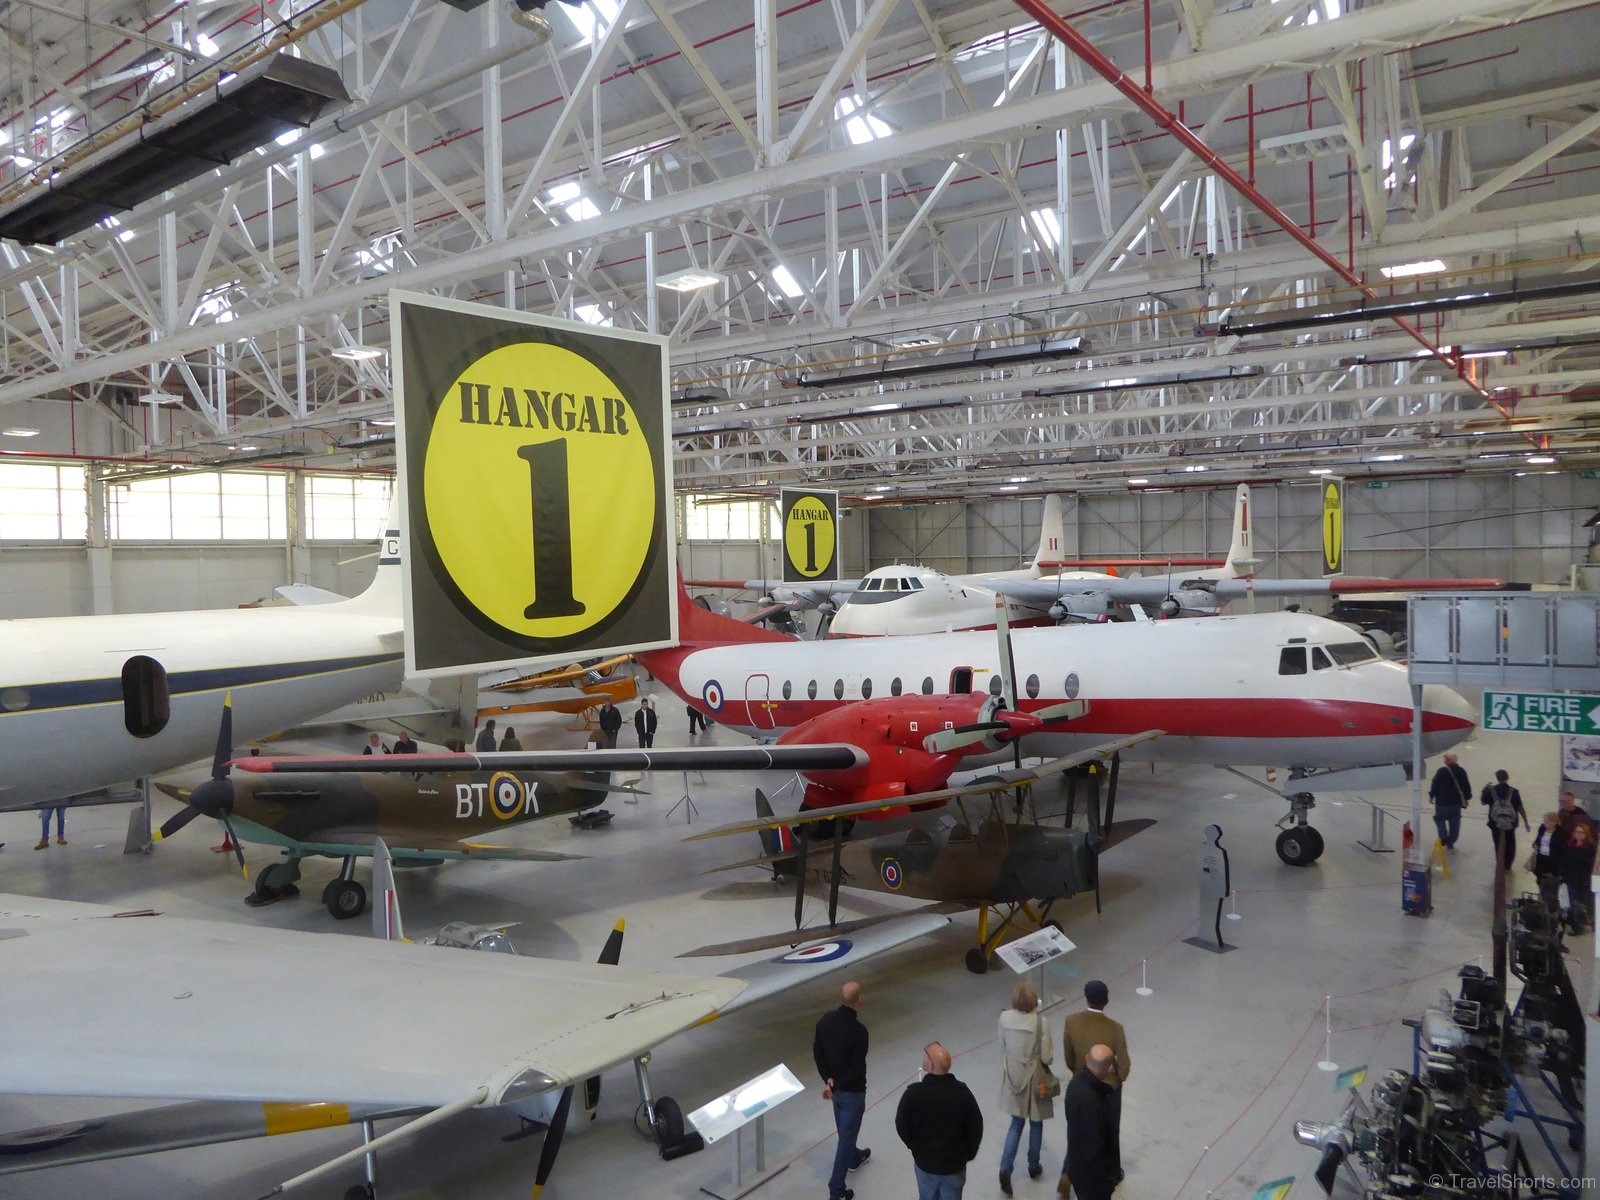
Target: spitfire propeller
(214, 797)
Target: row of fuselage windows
(960, 684)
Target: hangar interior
(943, 258)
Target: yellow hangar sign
(537, 485)
(1332, 525)
(810, 534)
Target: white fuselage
(63, 719)
(1214, 686)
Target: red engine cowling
(892, 731)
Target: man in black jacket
(941, 1124)
(1449, 790)
(839, 1049)
(610, 724)
(1094, 1154)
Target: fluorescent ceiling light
(918, 342)
(786, 282)
(19, 431)
(690, 279)
(1485, 353)
(160, 397)
(1137, 482)
(384, 421)
(356, 353)
(1322, 470)
(1541, 459)
(1194, 467)
(1426, 266)
(1387, 458)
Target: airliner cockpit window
(916, 585)
(1292, 660)
(1348, 654)
(1319, 659)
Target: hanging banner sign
(1332, 525)
(810, 522)
(537, 484)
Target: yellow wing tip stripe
(298, 1118)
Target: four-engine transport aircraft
(1283, 689)
(89, 702)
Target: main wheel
(1296, 846)
(977, 961)
(669, 1121)
(345, 899)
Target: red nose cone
(1018, 723)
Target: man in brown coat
(1085, 1030)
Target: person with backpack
(1575, 862)
(1505, 810)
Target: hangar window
(927, 685)
(996, 685)
(712, 518)
(788, 690)
(859, 125)
(838, 689)
(811, 690)
(866, 689)
(346, 508)
(204, 506)
(1347, 654)
(1032, 687)
(1292, 660)
(43, 502)
(894, 686)
(146, 705)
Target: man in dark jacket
(839, 1049)
(1449, 790)
(1575, 861)
(941, 1124)
(610, 723)
(644, 724)
(485, 742)
(1094, 1155)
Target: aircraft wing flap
(369, 1022)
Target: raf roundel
(823, 952)
(506, 795)
(712, 695)
(890, 873)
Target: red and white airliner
(1281, 689)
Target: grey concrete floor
(1225, 1049)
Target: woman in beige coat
(1024, 1045)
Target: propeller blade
(1067, 710)
(1008, 666)
(943, 740)
(219, 764)
(552, 1141)
(176, 822)
(238, 846)
(800, 880)
(833, 888)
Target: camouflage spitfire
(425, 817)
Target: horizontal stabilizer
(1121, 831)
(819, 958)
(805, 938)
(999, 782)
(304, 593)
(764, 861)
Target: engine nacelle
(1069, 607)
(1189, 602)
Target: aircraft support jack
(368, 1190)
(1299, 845)
(344, 897)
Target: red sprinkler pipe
(1152, 108)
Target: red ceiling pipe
(1152, 108)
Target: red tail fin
(698, 625)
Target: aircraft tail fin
(383, 594)
(698, 624)
(775, 840)
(386, 921)
(1241, 550)
(1052, 533)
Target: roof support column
(766, 51)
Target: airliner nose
(1447, 718)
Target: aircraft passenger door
(758, 701)
(961, 681)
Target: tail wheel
(977, 961)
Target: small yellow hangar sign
(538, 487)
(810, 535)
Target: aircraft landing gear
(344, 897)
(275, 882)
(660, 1118)
(1299, 845)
